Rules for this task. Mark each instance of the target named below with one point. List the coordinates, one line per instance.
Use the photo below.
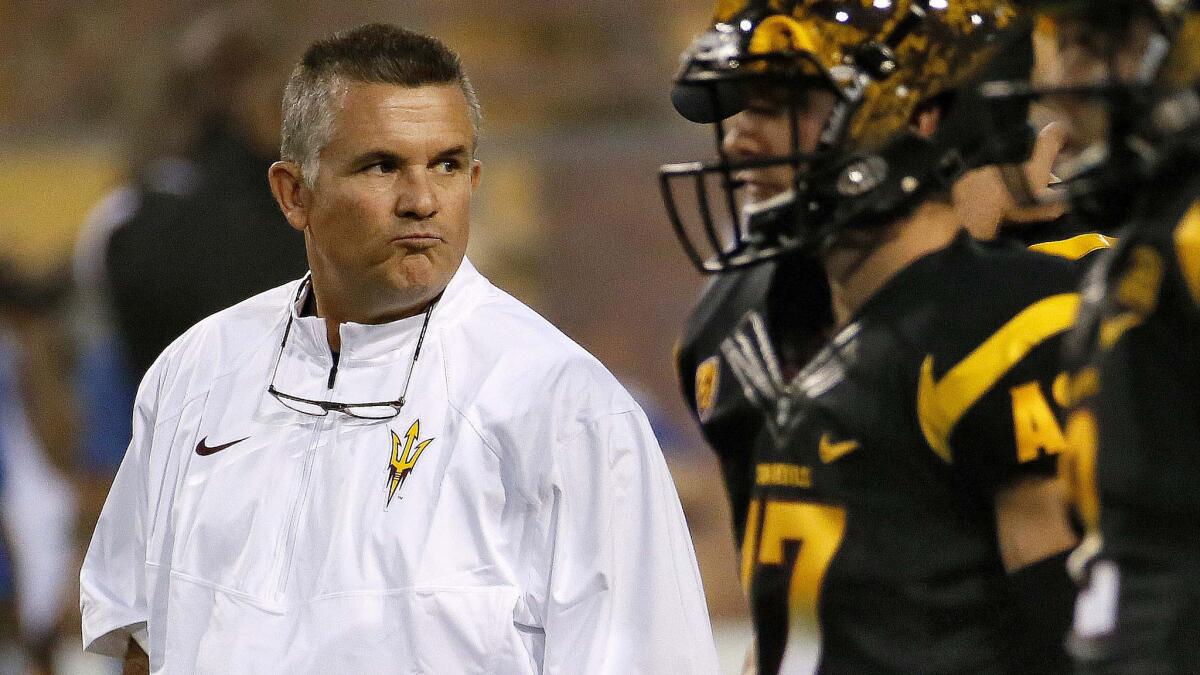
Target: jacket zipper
(293, 520)
(337, 356)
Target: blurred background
(134, 140)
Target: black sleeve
(1045, 598)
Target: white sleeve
(112, 583)
(624, 590)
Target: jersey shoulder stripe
(941, 403)
(1076, 247)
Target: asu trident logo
(404, 458)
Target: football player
(1130, 77)
(902, 500)
(792, 298)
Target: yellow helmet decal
(929, 65)
(781, 33)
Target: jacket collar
(381, 343)
(375, 360)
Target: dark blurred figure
(196, 230)
(38, 468)
(193, 231)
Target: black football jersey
(871, 529)
(788, 299)
(1135, 385)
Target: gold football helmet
(886, 61)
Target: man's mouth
(418, 240)
(755, 186)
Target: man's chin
(422, 274)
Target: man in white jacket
(389, 466)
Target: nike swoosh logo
(204, 450)
(829, 451)
(942, 403)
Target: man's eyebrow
(455, 151)
(376, 156)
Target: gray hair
(374, 53)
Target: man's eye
(382, 167)
(447, 166)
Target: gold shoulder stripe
(941, 404)
(1187, 247)
(1076, 247)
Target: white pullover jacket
(516, 517)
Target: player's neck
(856, 274)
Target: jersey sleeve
(113, 597)
(997, 414)
(623, 591)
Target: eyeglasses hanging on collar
(378, 410)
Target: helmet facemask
(731, 227)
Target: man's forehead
(374, 111)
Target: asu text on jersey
(872, 520)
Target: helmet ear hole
(708, 102)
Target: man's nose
(742, 138)
(417, 199)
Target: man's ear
(291, 193)
(476, 168)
